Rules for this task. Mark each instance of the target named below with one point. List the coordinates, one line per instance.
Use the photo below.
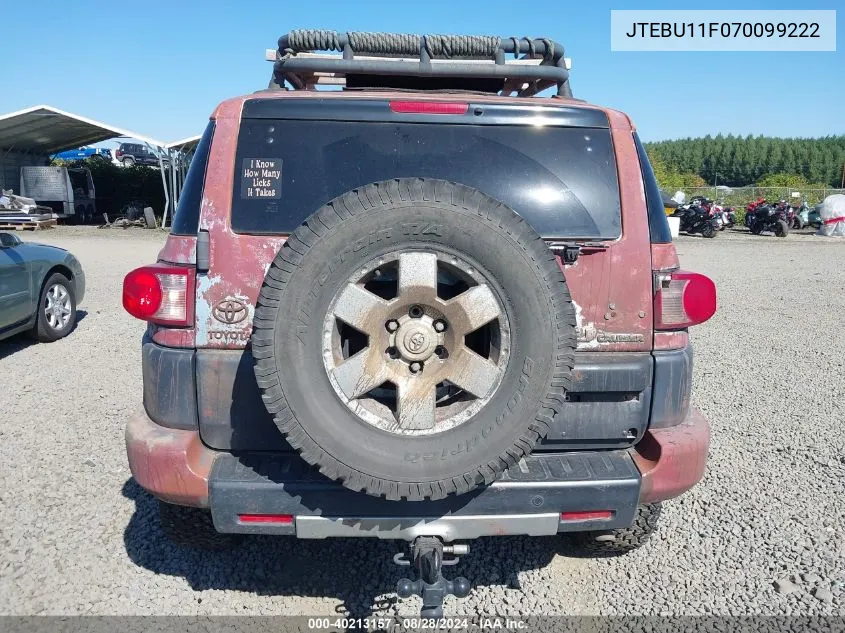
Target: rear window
(562, 180)
(187, 217)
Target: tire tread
(348, 206)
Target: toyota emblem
(416, 342)
(230, 311)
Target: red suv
(430, 306)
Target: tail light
(683, 299)
(587, 515)
(277, 519)
(428, 107)
(161, 294)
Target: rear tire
(622, 540)
(708, 231)
(192, 527)
(782, 229)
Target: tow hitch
(427, 558)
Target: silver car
(40, 287)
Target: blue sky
(159, 68)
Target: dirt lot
(78, 536)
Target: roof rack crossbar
(458, 49)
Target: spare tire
(414, 338)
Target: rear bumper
(172, 464)
(527, 499)
(672, 460)
(175, 466)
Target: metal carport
(180, 154)
(30, 136)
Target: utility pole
(842, 184)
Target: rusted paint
(671, 340)
(172, 337)
(664, 257)
(672, 460)
(179, 249)
(238, 263)
(621, 274)
(171, 464)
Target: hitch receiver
(427, 558)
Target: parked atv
(724, 216)
(787, 212)
(770, 217)
(697, 219)
(751, 210)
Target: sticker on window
(261, 178)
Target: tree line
(739, 161)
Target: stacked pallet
(26, 224)
(23, 214)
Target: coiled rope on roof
(443, 46)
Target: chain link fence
(741, 196)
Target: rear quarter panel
(612, 289)
(237, 263)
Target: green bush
(789, 181)
(116, 187)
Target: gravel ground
(762, 534)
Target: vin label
(723, 30)
(261, 178)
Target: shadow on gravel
(568, 547)
(355, 571)
(21, 341)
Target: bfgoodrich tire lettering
(411, 215)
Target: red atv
(777, 218)
(751, 210)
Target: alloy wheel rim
(416, 342)
(57, 307)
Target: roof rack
(434, 61)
